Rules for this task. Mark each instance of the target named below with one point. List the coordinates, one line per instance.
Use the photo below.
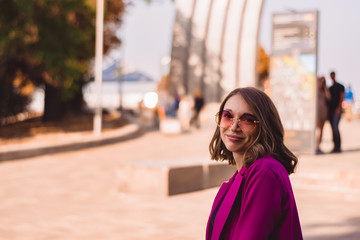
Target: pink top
(257, 203)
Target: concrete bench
(166, 178)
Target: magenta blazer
(256, 203)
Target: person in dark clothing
(198, 105)
(337, 92)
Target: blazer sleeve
(260, 205)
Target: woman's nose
(234, 124)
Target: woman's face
(238, 122)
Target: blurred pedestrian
(349, 102)
(198, 105)
(337, 92)
(323, 99)
(184, 113)
(176, 102)
(258, 201)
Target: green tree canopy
(50, 43)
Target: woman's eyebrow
(248, 114)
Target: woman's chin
(235, 149)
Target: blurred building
(214, 46)
(125, 90)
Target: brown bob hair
(269, 138)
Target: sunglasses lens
(248, 119)
(226, 119)
(246, 122)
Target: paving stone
(75, 195)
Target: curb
(80, 141)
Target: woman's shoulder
(267, 162)
(267, 166)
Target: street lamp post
(98, 65)
(120, 76)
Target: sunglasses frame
(218, 120)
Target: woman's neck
(239, 160)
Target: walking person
(184, 113)
(323, 98)
(337, 92)
(258, 201)
(198, 105)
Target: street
(75, 195)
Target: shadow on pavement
(352, 150)
(351, 223)
(71, 146)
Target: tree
(51, 43)
(262, 66)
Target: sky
(147, 35)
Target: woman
(258, 201)
(322, 112)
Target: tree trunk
(76, 105)
(53, 108)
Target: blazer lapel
(218, 199)
(222, 191)
(226, 205)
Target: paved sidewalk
(74, 194)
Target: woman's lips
(234, 138)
